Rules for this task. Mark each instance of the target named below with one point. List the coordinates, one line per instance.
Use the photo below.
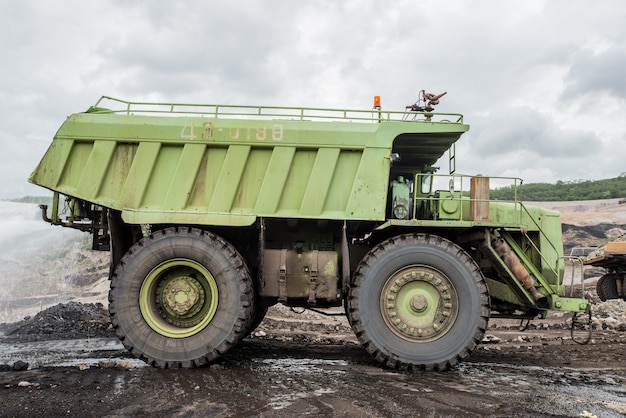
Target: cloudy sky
(541, 83)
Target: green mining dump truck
(214, 213)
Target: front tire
(181, 297)
(418, 302)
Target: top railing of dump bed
(105, 105)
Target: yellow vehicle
(612, 284)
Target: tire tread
(245, 286)
(371, 258)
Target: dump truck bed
(228, 165)
(614, 255)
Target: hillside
(566, 191)
(590, 223)
(589, 212)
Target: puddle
(282, 386)
(62, 353)
(299, 379)
(558, 391)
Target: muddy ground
(65, 361)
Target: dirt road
(310, 365)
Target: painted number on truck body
(259, 132)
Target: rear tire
(606, 288)
(418, 302)
(181, 297)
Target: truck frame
(213, 213)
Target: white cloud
(539, 81)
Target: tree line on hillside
(37, 200)
(566, 190)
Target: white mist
(40, 264)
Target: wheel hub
(419, 303)
(182, 295)
(178, 298)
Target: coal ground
(63, 321)
(303, 363)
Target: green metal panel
(275, 178)
(229, 178)
(343, 179)
(251, 180)
(298, 176)
(319, 181)
(93, 174)
(228, 165)
(550, 242)
(50, 169)
(369, 193)
(72, 167)
(139, 174)
(184, 176)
